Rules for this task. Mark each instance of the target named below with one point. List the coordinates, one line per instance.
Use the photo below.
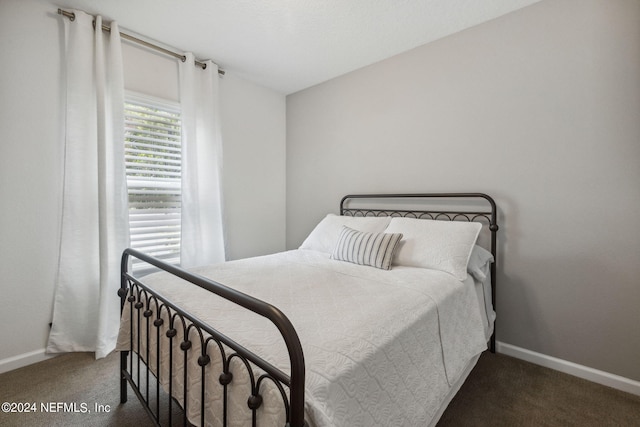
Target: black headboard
(472, 207)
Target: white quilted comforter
(382, 348)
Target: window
(153, 166)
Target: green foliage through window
(153, 161)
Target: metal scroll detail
(170, 348)
(434, 215)
(489, 216)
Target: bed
(376, 319)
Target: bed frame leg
(123, 379)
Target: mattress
(382, 348)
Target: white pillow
(372, 249)
(479, 263)
(323, 238)
(434, 244)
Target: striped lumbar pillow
(373, 249)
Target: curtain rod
(72, 17)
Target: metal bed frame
(142, 300)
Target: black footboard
(150, 313)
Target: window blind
(153, 167)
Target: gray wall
(539, 108)
(253, 130)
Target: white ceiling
(289, 45)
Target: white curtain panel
(202, 240)
(94, 228)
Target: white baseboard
(580, 371)
(25, 359)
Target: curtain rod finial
(70, 15)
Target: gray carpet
(501, 391)
(74, 378)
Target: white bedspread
(381, 347)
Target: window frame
(157, 189)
